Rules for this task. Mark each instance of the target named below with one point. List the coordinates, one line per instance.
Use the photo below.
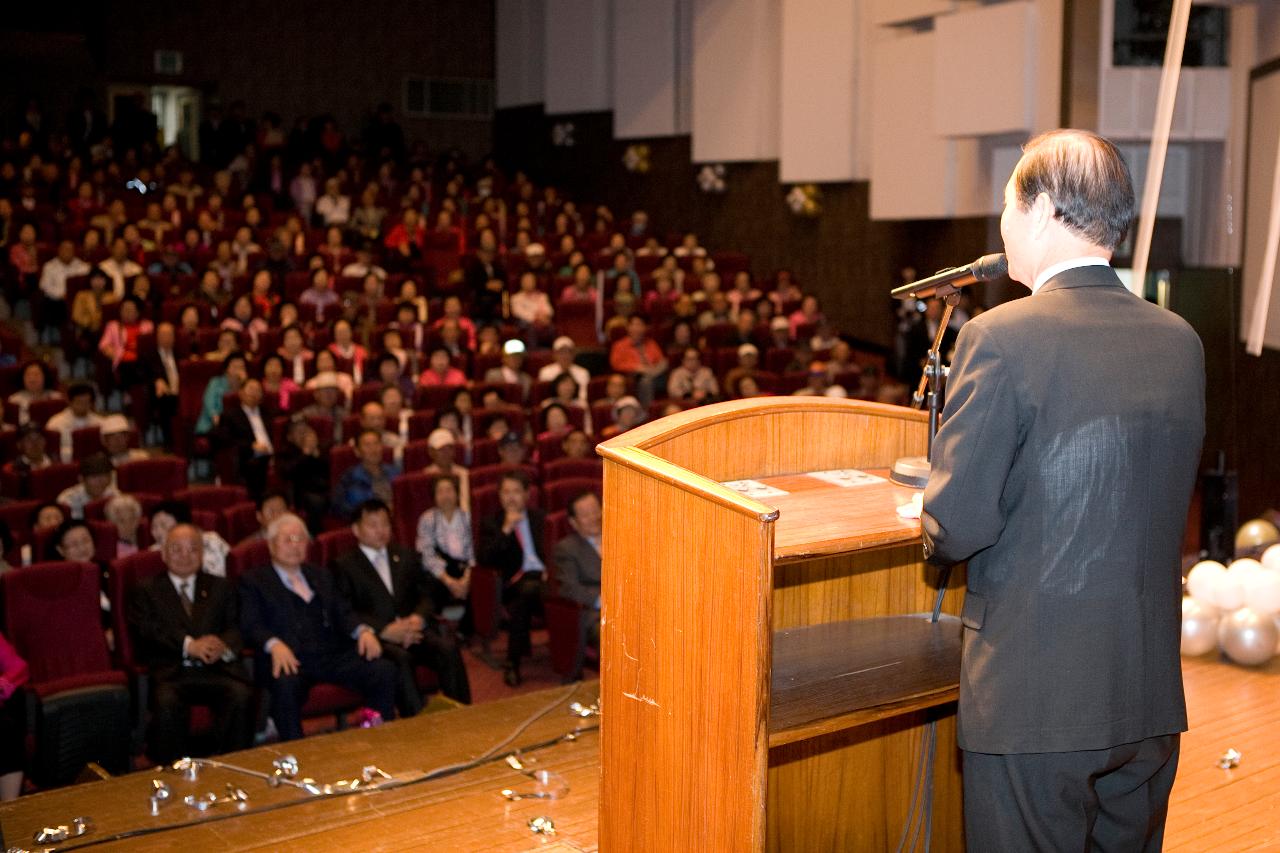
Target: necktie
(384, 570)
(295, 581)
(187, 600)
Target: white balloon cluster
(1235, 608)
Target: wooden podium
(767, 673)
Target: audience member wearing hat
(442, 444)
(115, 433)
(563, 352)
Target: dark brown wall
(295, 58)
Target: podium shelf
(844, 674)
(819, 519)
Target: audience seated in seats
(320, 299)
(692, 380)
(115, 431)
(37, 386)
(511, 541)
(97, 481)
(73, 540)
(30, 456)
(577, 561)
(327, 370)
(817, 385)
(639, 355)
(328, 402)
(234, 373)
(278, 389)
(387, 589)
(303, 468)
(369, 478)
(532, 308)
(78, 414)
(170, 513)
(627, 413)
(53, 287)
(304, 632)
(13, 726)
(187, 633)
(748, 364)
(267, 508)
(563, 353)
(86, 314)
(440, 372)
(445, 545)
(294, 351)
(244, 432)
(125, 513)
(576, 445)
(442, 444)
(511, 371)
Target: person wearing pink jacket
(13, 729)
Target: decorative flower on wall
(711, 178)
(562, 134)
(805, 200)
(636, 158)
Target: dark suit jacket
(236, 433)
(1062, 472)
(159, 622)
(359, 584)
(502, 551)
(266, 611)
(578, 569)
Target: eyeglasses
(296, 539)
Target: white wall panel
(984, 70)
(736, 63)
(912, 169)
(579, 64)
(819, 90)
(645, 68)
(518, 41)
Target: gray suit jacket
(578, 568)
(1062, 473)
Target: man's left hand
(368, 646)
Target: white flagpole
(1160, 140)
(1262, 297)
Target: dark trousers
(438, 653)
(375, 680)
(162, 412)
(1107, 800)
(523, 600)
(229, 699)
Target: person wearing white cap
(562, 355)
(328, 403)
(627, 413)
(512, 372)
(114, 430)
(443, 447)
(748, 363)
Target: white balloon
(1262, 591)
(1201, 578)
(1228, 591)
(1245, 567)
(1199, 627)
(1271, 558)
(1248, 638)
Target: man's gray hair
(274, 527)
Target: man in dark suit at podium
(1062, 473)
(184, 622)
(387, 588)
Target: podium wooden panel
(766, 671)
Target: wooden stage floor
(1212, 809)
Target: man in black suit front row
(304, 632)
(187, 633)
(387, 588)
(1062, 472)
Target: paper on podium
(846, 477)
(754, 489)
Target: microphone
(949, 281)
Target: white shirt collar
(1063, 266)
(179, 583)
